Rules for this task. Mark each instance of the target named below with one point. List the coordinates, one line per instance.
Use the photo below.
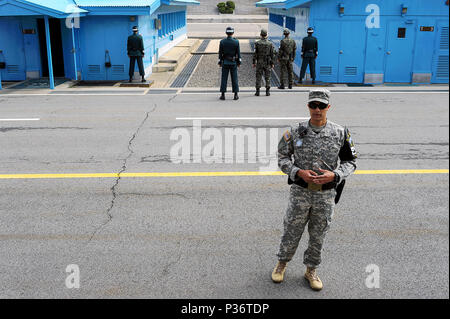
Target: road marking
(5, 95)
(208, 174)
(240, 118)
(14, 120)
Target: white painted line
(241, 118)
(14, 120)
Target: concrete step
(164, 67)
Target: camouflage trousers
(286, 70)
(261, 70)
(306, 207)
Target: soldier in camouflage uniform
(286, 56)
(317, 156)
(263, 60)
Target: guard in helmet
(263, 60)
(135, 49)
(286, 57)
(229, 61)
(310, 50)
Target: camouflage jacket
(264, 53)
(302, 148)
(288, 49)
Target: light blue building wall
(370, 41)
(95, 48)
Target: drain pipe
(49, 54)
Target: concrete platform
(170, 61)
(213, 47)
(127, 84)
(227, 18)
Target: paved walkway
(217, 30)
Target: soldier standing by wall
(310, 50)
(135, 48)
(286, 56)
(229, 60)
(263, 60)
(317, 156)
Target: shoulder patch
(287, 136)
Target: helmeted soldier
(263, 60)
(317, 155)
(135, 49)
(286, 57)
(229, 60)
(310, 50)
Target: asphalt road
(214, 237)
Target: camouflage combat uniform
(286, 55)
(264, 58)
(308, 145)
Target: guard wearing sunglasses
(318, 156)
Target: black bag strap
(107, 58)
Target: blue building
(369, 41)
(84, 39)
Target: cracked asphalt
(214, 237)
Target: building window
(290, 23)
(401, 34)
(276, 18)
(171, 22)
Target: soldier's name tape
(208, 174)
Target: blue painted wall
(157, 42)
(351, 52)
(101, 37)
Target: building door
(341, 51)
(400, 51)
(440, 58)
(328, 37)
(56, 44)
(352, 52)
(11, 50)
(104, 48)
(117, 48)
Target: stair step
(164, 67)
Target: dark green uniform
(309, 54)
(229, 60)
(135, 48)
(264, 58)
(286, 55)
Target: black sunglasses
(321, 106)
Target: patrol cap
(310, 30)
(319, 95)
(286, 31)
(135, 29)
(263, 33)
(230, 30)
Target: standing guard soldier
(263, 60)
(229, 60)
(135, 48)
(286, 57)
(318, 156)
(310, 50)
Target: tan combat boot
(314, 280)
(278, 272)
